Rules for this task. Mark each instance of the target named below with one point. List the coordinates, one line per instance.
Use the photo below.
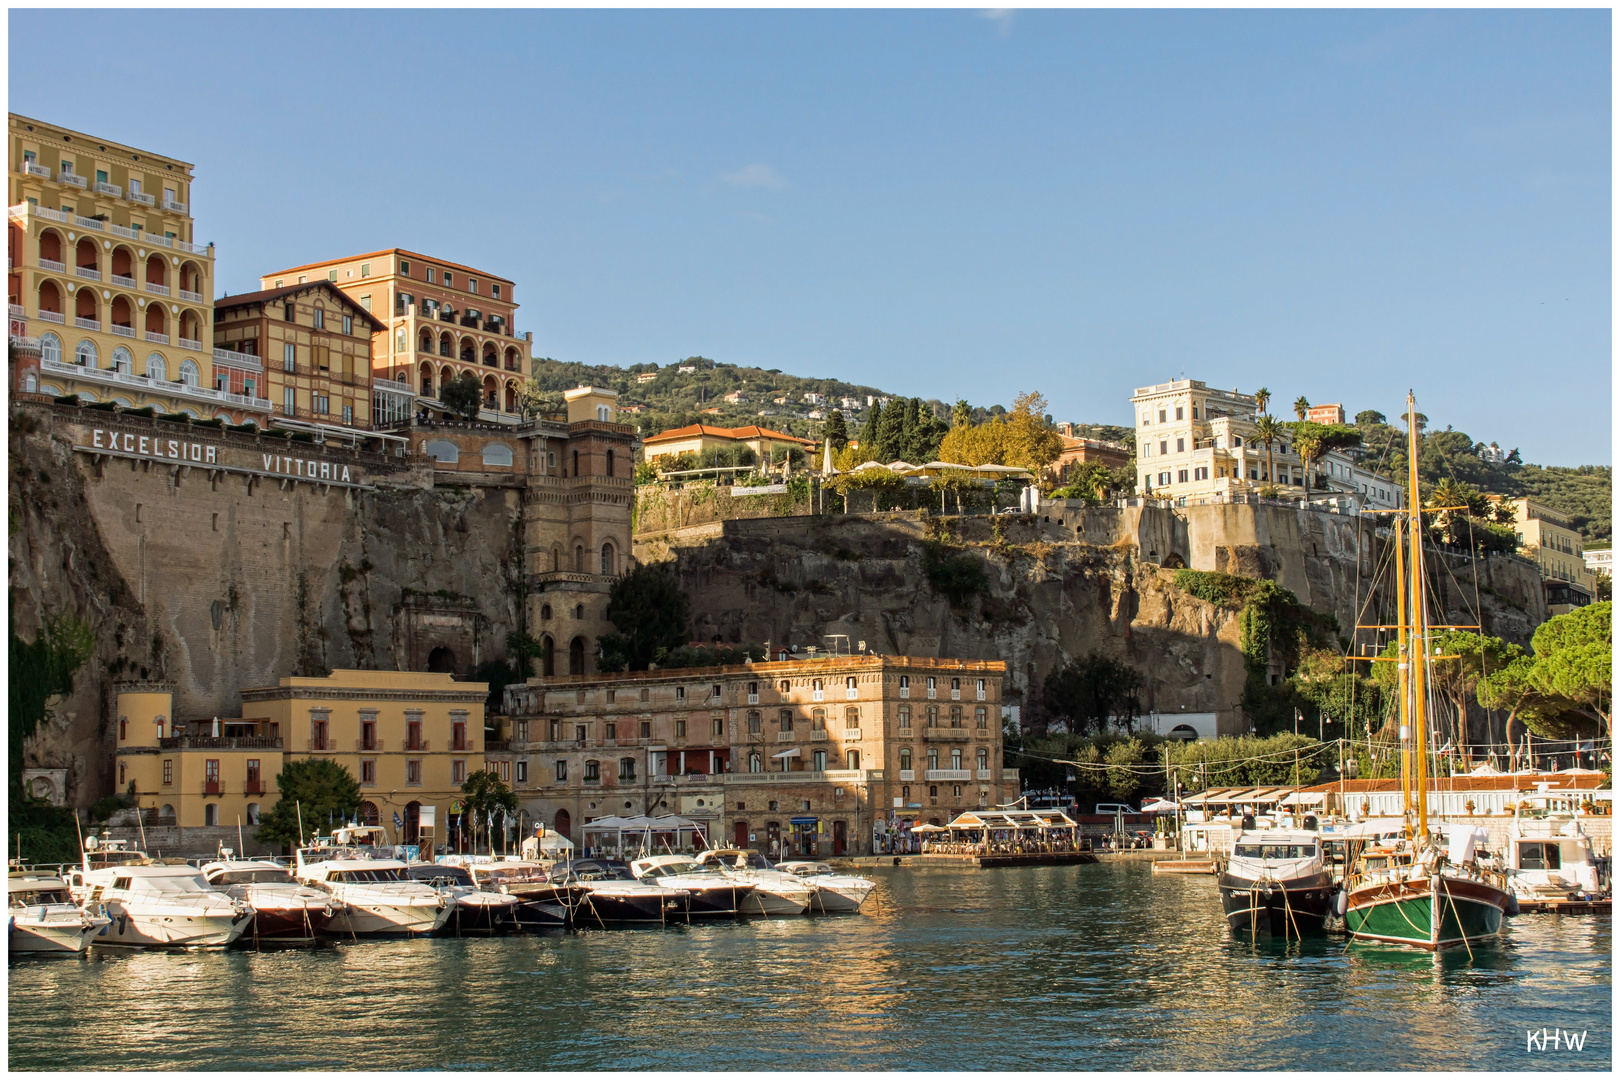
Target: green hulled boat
(1413, 891)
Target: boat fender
(1341, 903)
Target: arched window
(368, 813)
(576, 462)
(157, 369)
(852, 760)
(610, 461)
(440, 450)
(548, 657)
(576, 656)
(984, 758)
(123, 728)
(579, 558)
(756, 762)
(166, 813)
(252, 813)
(933, 716)
(123, 361)
(981, 718)
(905, 757)
(30, 383)
(498, 454)
(933, 757)
(956, 757)
(607, 560)
(905, 716)
(50, 348)
(818, 719)
(956, 716)
(85, 354)
(188, 372)
(784, 719)
(545, 611)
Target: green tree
(1266, 430)
(836, 431)
(1314, 440)
(1369, 418)
(869, 433)
(650, 614)
(1510, 689)
(891, 430)
(463, 395)
(482, 794)
(1574, 657)
(1087, 693)
(1301, 407)
(1262, 398)
(316, 790)
(1031, 441)
(961, 413)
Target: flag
(398, 822)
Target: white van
(1112, 808)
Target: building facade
(439, 320)
(812, 757)
(106, 276)
(1195, 442)
(699, 439)
(312, 347)
(1599, 560)
(1546, 538)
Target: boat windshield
(1274, 851)
(594, 871)
(523, 875)
(176, 885)
(671, 869)
(441, 875)
(382, 873)
(42, 896)
(754, 861)
(266, 875)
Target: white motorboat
(834, 892)
(1550, 859)
(713, 893)
(614, 896)
(157, 906)
(1276, 882)
(284, 911)
(476, 910)
(379, 898)
(775, 893)
(44, 918)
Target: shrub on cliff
(958, 578)
(1087, 693)
(650, 613)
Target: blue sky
(944, 204)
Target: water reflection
(1098, 967)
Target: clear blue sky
(943, 204)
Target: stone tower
(576, 526)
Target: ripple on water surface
(1095, 967)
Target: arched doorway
(1184, 732)
(548, 656)
(442, 660)
(367, 813)
(576, 656)
(413, 823)
(564, 824)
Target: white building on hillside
(1194, 442)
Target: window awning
(786, 753)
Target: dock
(1184, 866)
(1025, 858)
(1565, 907)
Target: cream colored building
(107, 278)
(1545, 536)
(1196, 442)
(699, 439)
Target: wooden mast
(1419, 654)
(1403, 656)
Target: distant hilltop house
(1493, 454)
(649, 376)
(710, 412)
(1545, 537)
(685, 369)
(736, 397)
(779, 401)
(812, 398)
(1325, 414)
(849, 403)
(816, 414)
(699, 439)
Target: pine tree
(869, 434)
(836, 431)
(891, 429)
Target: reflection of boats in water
(1276, 883)
(1415, 891)
(835, 893)
(44, 918)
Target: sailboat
(1414, 890)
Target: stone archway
(442, 660)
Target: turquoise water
(1092, 967)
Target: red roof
(393, 251)
(1525, 782)
(265, 296)
(753, 431)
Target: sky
(1339, 205)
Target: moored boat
(1276, 884)
(44, 918)
(284, 911)
(713, 893)
(835, 893)
(160, 907)
(613, 895)
(379, 899)
(543, 904)
(476, 911)
(775, 893)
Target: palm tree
(1262, 398)
(1301, 407)
(1266, 429)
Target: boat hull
(1287, 909)
(132, 930)
(602, 908)
(388, 920)
(840, 899)
(52, 937)
(718, 901)
(1405, 913)
(478, 918)
(762, 901)
(289, 925)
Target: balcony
(818, 735)
(51, 316)
(188, 343)
(126, 233)
(34, 168)
(157, 289)
(194, 297)
(851, 734)
(89, 273)
(220, 742)
(231, 358)
(253, 787)
(122, 331)
(982, 774)
(86, 324)
(52, 264)
(76, 181)
(89, 223)
(948, 774)
(907, 775)
(177, 207)
(785, 736)
(110, 189)
(368, 746)
(211, 787)
(416, 746)
(155, 386)
(17, 311)
(120, 279)
(155, 337)
(143, 198)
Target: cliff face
(1063, 584)
(218, 584)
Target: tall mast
(1419, 654)
(1403, 665)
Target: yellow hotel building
(409, 738)
(106, 279)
